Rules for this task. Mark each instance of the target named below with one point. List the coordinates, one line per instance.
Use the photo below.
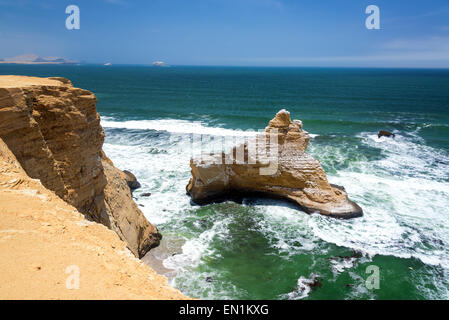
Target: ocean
(265, 248)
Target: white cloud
(435, 43)
(431, 51)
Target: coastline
(275, 242)
(156, 256)
(42, 239)
(69, 228)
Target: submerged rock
(275, 164)
(384, 133)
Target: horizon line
(225, 66)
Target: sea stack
(286, 172)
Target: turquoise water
(265, 249)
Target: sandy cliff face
(54, 131)
(120, 211)
(48, 250)
(286, 172)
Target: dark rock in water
(313, 283)
(131, 180)
(316, 283)
(353, 257)
(209, 279)
(146, 194)
(355, 254)
(384, 133)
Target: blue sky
(231, 32)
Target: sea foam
(174, 126)
(404, 193)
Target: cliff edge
(53, 130)
(48, 250)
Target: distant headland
(35, 59)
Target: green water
(266, 249)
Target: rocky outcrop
(384, 133)
(274, 164)
(54, 131)
(121, 212)
(47, 245)
(131, 180)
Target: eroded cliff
(48, 250)
(54, 131)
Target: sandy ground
(22, 81)
(49, 251)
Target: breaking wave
(402, 185)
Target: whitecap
(175, 126)
(405, 197)
(303, 288)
